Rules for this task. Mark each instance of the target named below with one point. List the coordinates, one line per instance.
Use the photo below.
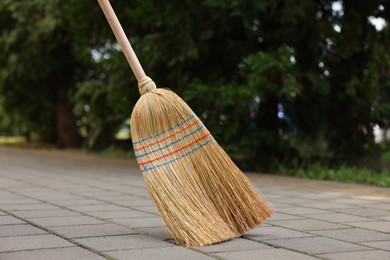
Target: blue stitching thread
(167, 130)
(138, 155)
(146, 168)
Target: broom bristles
(200, 193)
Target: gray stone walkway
(67, 205)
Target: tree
(37, 70)
(274, 81)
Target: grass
(114, 152)
(12, 140)
(341, 174)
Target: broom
(199, 192)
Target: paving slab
(94, 208)
(355, 235)
(30, 242)
(274, 254)
(159, 232)
(83, 201)
(65, 221)
(361, 255)
(307, 224)
(20, 200)
(72, 205)
(97, 230)
(317, 245)
(10, 220)
(109, 243)
(140, 222)
(302, 211)
(20, 230)
(239, 244)
(281, 216)
(339, 218)
(384, 245)
(45, 213)
(363, 212)
(32, 206)
(160, 253)
(50, 254)
(268, 233)
(328, 205)
(120, 214)
(381, 226)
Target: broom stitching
(175, 151)
(165, 138)
(139, 155)
(146, 168)
(167, 130)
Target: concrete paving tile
(99, 194)
(18, 201)
(267, 233)
(361, 255)
(150, 209)
(100, 189)
(384, 245)
(339, 217)
(120, 214)
(274, 254)
(164, 253)
(139, 222)
(93, 208)
(316, 245)
(109, 243)
(84, 201)
(352, 201)
(374, 198)
(238, 244)
(383, 206)
(280, 205)
(383, 218)
(19, 230)
(52, 197)
(328, 205)
(133, 202)
(20, 243)
(282, 216)
(9, 220)
(382, 226)
(291, 200)
(307, 224)
(37, 206)
(92, 230)
(364, 212)
(353, 235)
(45, 213)
(302, 211)
(66, 221)
(323, 194)
(5, 195)
(158, 232)
(50, 254)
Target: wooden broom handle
(122, 39)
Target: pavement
(70, 205)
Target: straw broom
(199, 192)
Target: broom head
(200, 193)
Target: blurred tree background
(280, 84)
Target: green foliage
(286, 82)
(342, 174)
(36, 67)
